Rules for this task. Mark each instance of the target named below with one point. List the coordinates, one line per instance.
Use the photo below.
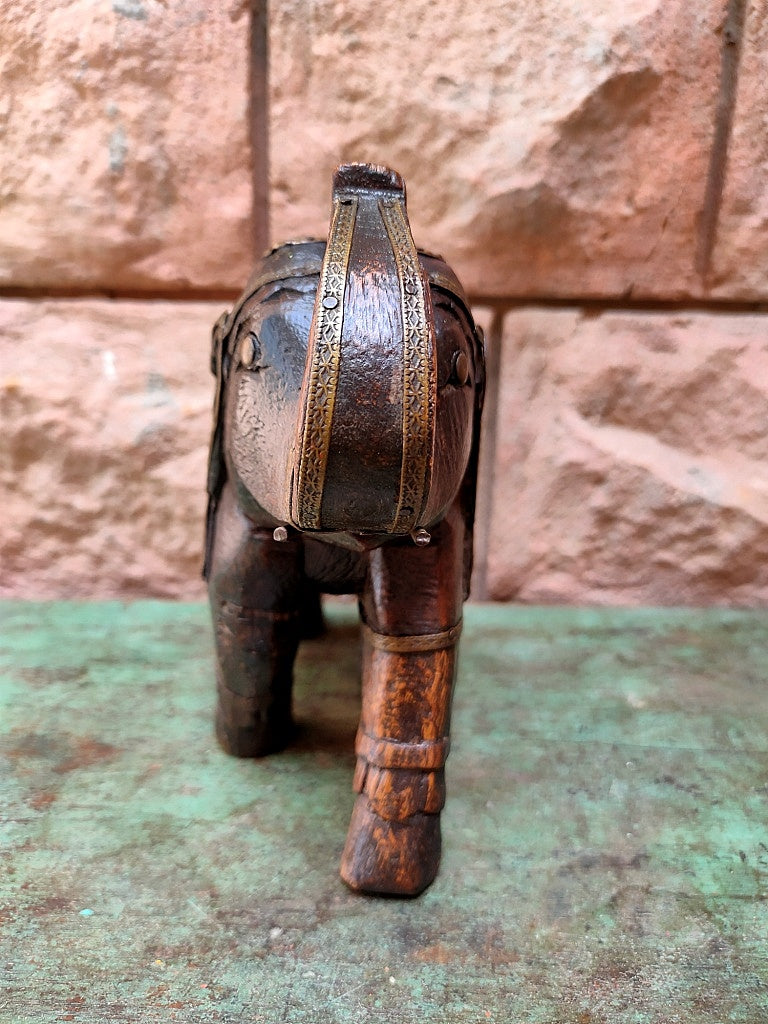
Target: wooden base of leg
(245, 727)
(395, 858)
(394, 842)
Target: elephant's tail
(366, 432)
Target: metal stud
(249, 349)
(280, 534)
(460, 371)
(421, 537)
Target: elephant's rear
(350, 384)
(373, 435)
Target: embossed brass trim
(323, 362)
(418, 370)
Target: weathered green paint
(606, 831)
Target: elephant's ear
(468, 492)
(216, 467)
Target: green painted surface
(606, 834)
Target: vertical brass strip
(418, 370)
(323, 363)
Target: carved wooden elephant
(350, 381)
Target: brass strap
(384, 753)
(323, 360)
(413, 644)
(419, 374)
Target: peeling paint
(603, 861)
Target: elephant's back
(304, 258)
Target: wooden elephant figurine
(344, 454)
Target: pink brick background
(595, 173)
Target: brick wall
(596, 173)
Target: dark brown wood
(344, 459)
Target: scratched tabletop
(605, 837)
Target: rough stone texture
(740, 254)
(632, 459)
(550, 149)
(105, 412)
(124, 132)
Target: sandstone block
(105, 414)
(124, 131)
(631, 462)
(550, 149)
(740, 255)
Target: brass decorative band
(427, 755)
(418, 370)
(412, 644)
(323, 367)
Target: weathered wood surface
(606, 853)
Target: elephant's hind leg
(412, 610)
(255, 588)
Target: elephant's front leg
(412, 619)
(256, 590)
